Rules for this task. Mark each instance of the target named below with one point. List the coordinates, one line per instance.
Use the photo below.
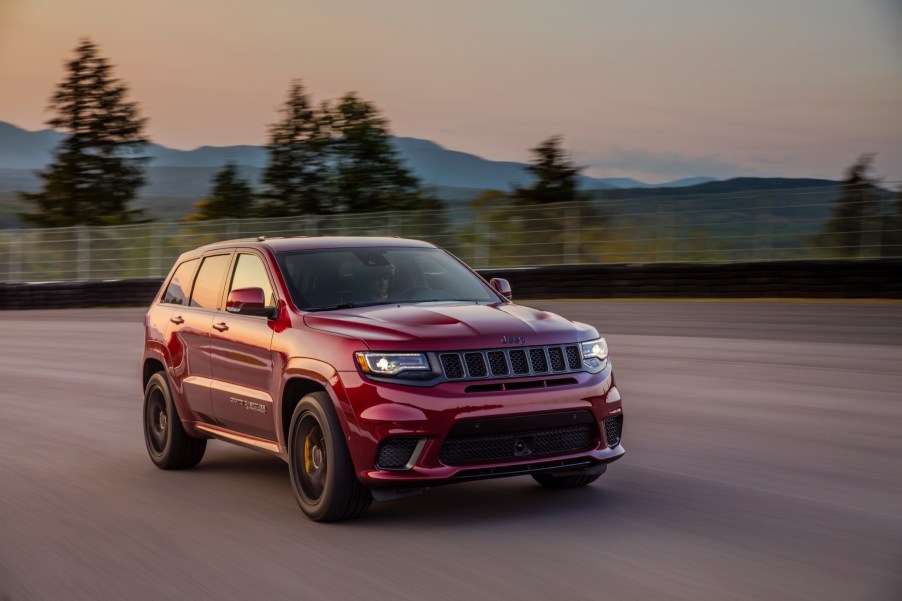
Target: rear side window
(251, 273)
(209, 282)
(180, 285)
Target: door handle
(221, 326)
(178, 320)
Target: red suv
(376, 367)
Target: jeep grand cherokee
(374, 367)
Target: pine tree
(555, 175)
(295, 177)
(368, 174)
(855, 209)
(230, 197)
(97, 169)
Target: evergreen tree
(295, 176)
(857, 207)
(368, 175)
(96, 170)
(555, 175)
(231, 196)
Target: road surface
(764, 461)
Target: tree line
(334, 157)
(328, 158)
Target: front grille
(613, 427)
(573, 358)
(511, 363)
(537, 358)
(557, 358)
(498, 363)
(518, 362)
(451, 364)
(506, 439)
(475, 365)
(394, 453)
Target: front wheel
(169, 447)
(322, 475)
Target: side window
(209, 282)
(251, 273)
(180, 285)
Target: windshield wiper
(348, 306)
(332, 307)
(440, 300)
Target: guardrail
(780, 279)
(714, 228)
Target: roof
(311, 243)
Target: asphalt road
(764, 461)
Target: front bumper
(385, 411)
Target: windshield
(355, 277)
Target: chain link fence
(717, 228)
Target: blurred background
(705, 156)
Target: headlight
(594, 349)
(390, 364)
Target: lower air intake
(509, 446)
(613, 427)
(394, 453)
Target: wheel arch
(303, 376)
(152, 365)
(295, 389)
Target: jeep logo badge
(513, 340)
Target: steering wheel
(413, 291)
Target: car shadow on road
(495, 501)
(490, 501)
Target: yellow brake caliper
(308, 454)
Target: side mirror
(502, 286)
(249, 301)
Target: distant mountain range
(187, 173)
(177, 179)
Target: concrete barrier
(779, 279)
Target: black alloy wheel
(168, 445)
(322, 474)
(313, 463)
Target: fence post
(83, 265)
(763, 227)
(15, 258)
(664, 221)
(659, 225)
(571, 237)
(155, 252)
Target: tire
(322, 475)
(169, 447)
(549, 480)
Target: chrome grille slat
(510, 362)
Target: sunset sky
(653, 89)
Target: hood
(441, 327)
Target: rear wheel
(168, 445)
(322, 475)
(549, 480)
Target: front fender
(326, 376)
